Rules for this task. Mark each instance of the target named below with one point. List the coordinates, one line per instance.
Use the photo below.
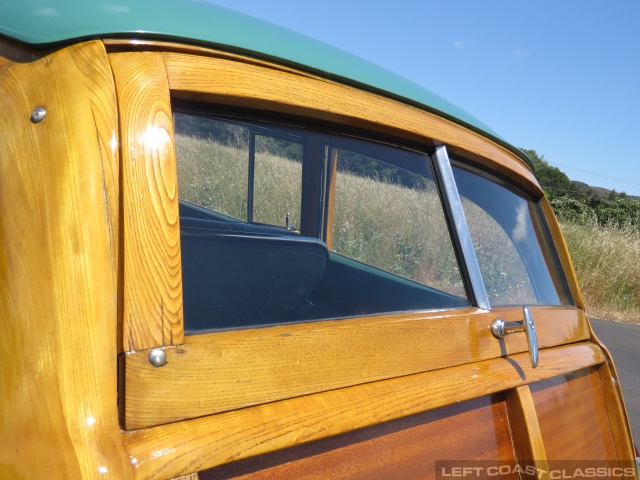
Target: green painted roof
(45, 22)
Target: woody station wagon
(228, 251)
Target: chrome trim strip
(460, 231)
(532, 336)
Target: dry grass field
(607, 263)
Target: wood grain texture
(59, 269)
(525, 430)
(152, 273)
(616, 412)
(461, 149)
(115, 45)
(227, 81)
(197, 444)
(615, 403)
(228, 370)
(407, 448)
(582, 431)
(11, 53)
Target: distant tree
(622, 211)
(577, 202)
(554, 181)
(591, 198)
(573, 210)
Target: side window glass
(516, 264)
(391, 217)
(239, 170)
(277, 192)
(213, 170)
(281, 225)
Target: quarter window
(517, 266)
(388, 214)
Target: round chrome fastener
(157, 357)
(38, 114)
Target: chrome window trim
(461, 236)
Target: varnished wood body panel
(228, 370)
(617, 415)
(181, 447)
(152, 273)
(59, 275)
(582, 430)
(265, 370)
(407, 448)
(525, 430)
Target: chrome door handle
(500, 328)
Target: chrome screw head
(157, 357)
(497, 328)
(38, 114)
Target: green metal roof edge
(42, 23)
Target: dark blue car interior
(238, 274)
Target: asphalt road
(623, 342)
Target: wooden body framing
(91, 281)
(59, 268)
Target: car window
(277, 176)
(516, 262)
(239, 170)
(282, 224)
(391, 217)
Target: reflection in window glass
(213, 168)
(503, 270)
(283, 225)
(277, 181)
(391, 217)
(513, 256)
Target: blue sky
(560, 77)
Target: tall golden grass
(607, 264)
(402, 230)
(395, 228)
(214, 176)
(398, 229)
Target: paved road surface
(623, 342)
